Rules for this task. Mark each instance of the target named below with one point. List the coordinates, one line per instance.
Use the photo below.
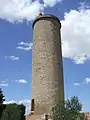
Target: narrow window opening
(32, 106)
(46, 117)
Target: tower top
(46, 16)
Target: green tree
(22, 111)
(13, 112)
(68, 110)
(2, 97)
(4, 115)
(2, 106)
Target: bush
(2, 107)
(2, 99)
(68, 110)
(13, 112)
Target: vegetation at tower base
(2, 99)
(68, 110)
(13, 112)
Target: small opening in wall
(32, 105)
(46, 117)
(86, 118)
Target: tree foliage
(2, 99)
(68, 110)
(13, 112)
(2, 106)
(22, 111)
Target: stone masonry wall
(47, 69)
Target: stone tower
(47, 67)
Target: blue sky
(16, 17)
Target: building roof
(43, 16)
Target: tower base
(38, 117)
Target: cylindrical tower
(47, 68)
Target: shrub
(13, 112)
(2, 106)
(68, 110)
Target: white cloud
(24, 46)
(87, 80)
(21, 81)
(75, 26)
(76, 35)
(3, 84)
(51, 3)
(26, 102)
(17, 10)
(12, 57)
(3, 81)
(84, 5)
(76, 84)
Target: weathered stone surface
(47, 68)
